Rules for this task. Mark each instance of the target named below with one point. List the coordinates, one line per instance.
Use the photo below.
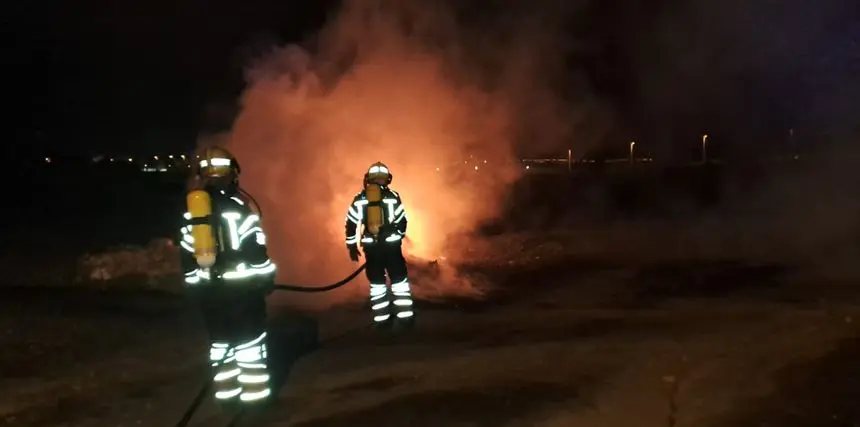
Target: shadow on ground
(821, 393)
(490, 406)
(292, 336)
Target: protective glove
(354, 254)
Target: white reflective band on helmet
(217, 161)
(378, 169)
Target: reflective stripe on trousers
(402, 299)
(381, 306)
(379, 302)
(241, 370)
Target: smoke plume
(406, 83)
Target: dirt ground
(565, 345)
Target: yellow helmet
(378, 173)
(217, 162)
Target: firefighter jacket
(242, 258)
(394, 220)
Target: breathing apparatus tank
(200, 207)
(376, 177)
(373, 192)
(214, 164)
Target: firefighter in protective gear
(231, 287)
(376, 220)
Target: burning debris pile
(438, 280)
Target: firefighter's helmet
(378, 173)
(217, 162)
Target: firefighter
(228, 273)
(376, 220)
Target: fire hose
(333, 286)
(201, 395)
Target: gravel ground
(729, 346)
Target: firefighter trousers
(394, 303)
(236, 322)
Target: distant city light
(47, 160)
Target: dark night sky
(134, 76)
(130, 75)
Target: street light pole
(791, 143)
(632, 144)
(705, 148)
(569, 159)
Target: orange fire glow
(310, 126)
(307, 150)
